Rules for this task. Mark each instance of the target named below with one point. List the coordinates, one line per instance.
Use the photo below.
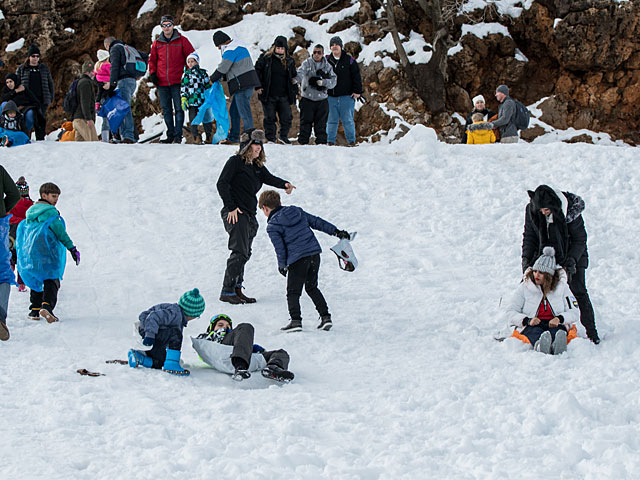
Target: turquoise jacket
(40, 212)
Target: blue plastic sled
(114, 110)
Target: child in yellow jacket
(480, 136)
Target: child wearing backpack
(195, 82)
(102, 71)
(298, 254)
(480, 136)
(40, 243)
(161, 329)
(12, 126)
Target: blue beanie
(192, 303)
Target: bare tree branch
(299, 12)
(391, 18)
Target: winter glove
(257, 348)
(75, 254)
(313, 81)
(323, 74)
(148, 342)
(185, 104)
(570, 267)
(283, 271)
(218, 335)
(342, 234)
(526, 263)
(153, 78)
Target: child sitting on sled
(161, 329)
(231, 350)
(543, 310)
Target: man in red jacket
(167, 59)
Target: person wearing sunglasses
(36, 77)
(167, 59)
(315, 76)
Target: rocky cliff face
(583, 55)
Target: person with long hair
(543, 309)
(241, 179)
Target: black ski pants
(277, 106)
(578, 287)
(241, 235)
(304, 272)
(48, 298)
(165, 338)
(241, 338)
(313, 114)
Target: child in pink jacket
(102, 71)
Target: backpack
(521, 119)
(135, 62)
(70, 102)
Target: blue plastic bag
(114, 110)
(6, 274)
(41, 256)
(216, 102)
(17, 138)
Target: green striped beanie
(192, 303)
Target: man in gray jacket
(315, 76)
(506, 121)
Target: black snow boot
(293, 326)
(278, 374)
(325, 322)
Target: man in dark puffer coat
(555, 218)
(298, 253)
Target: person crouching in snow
(161, 329)
(233, 351)
(298, 253)
(543, 310)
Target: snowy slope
(409, 383)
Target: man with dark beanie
(236, 67)
(277, 72)
(554, 218)
(37, 77)
(342, 98)
(506, 121)
(85, 115)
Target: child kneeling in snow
(231, 350)
(161, 329)
(298, 254)
(543, 309)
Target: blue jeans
(170, 102)
(127, 86)
(240, 108)
(341, 108)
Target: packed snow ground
(408, 384)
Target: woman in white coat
(543, 309)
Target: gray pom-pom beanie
(546, 262)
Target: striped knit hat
(192, 303)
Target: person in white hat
(479, 106)
(102, 73)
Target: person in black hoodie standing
(277, 73)
(554, 218)
(342, 98)
(241, 179)
(37, 77)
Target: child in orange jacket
(480, 136)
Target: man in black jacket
(342, 98)
(278, 90)
(554, 218)
(36, 77)
(85, 115)
(122, 80)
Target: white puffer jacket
(527, 298)
(219, 356)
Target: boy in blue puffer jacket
(161, 329)
(41, 241)
(298, 253)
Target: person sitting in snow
(12, 127)
(194, 84)
(298, 253)
(543, 309)
(231, 350)
(41, 241)
(161, 329)
(480, 136)
(19, 213)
